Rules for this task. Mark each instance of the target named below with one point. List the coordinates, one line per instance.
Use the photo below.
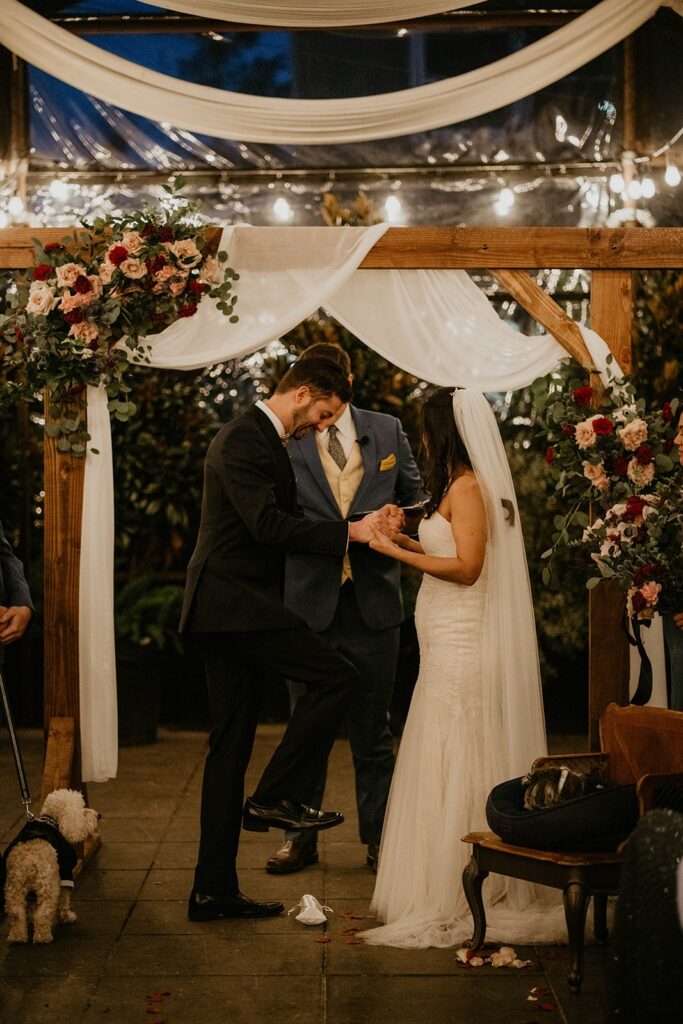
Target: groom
(233, 606)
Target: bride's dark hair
(442, 450)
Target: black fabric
(597, 821)
(235, 666)
(49, 833)
(249, 520)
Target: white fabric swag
(434, 323)
(308, 14)
(227, 115)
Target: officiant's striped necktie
(335, 448)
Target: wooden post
(611, 307)
(64, 476)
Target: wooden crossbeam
(465, 248)
(549, 314)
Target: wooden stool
(578, 875)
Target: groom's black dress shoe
(288, 815)
(293, 855)
(211, 908)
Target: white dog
(40, 863)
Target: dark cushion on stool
(597, 821)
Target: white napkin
(312, 911)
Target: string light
(672, 175)
(4, 219)
(616, 183)
(634, 190)
(59, 190)
(505, 201)
(16, 206)
(393, 209)
(282, 210)
(647, 188)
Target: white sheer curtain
(228, 115)
(309, 14)
(434, 323)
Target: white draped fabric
(308, 14)
(227, 115)
(434, 323)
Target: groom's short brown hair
(322, 377)
(328, 350)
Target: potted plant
(146, 618)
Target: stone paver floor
(134, 958)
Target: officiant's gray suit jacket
(390, 475)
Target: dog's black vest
(45, 828)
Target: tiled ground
(133, 957)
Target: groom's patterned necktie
(335, 448)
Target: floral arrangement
(604, 449)
(637, 542)
(93, 298)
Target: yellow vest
(343, 483)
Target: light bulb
(672, 175)
(4, 219)
(393, 208)
(647, 188)
(282, 210)
(502, 209)
(616, 183)
(59, 190)
(16, 206)
(634, 190)
(506, 197)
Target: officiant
(361, 462)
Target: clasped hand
(387, 521)
(13, 623)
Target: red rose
(666, 412)
(93, 345)
(638, 602)
(118, 254)
(147, 231)
(620, 467)
(188, 310)
(42, 272)
(196, 287)
(82, 285)
(645, 455)
(645, 573)
(165, 234)
(75, 389)
(582, 396)
(601, 425)
(568, 430)
(668, 444)
(74, 317)
(154, 265)
(549, 455)
(158, 318)
(53, 247)
(18, 334)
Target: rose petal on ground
(323, 938)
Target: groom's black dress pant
(235, 664)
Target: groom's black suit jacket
(249, 521)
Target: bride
(476, 717)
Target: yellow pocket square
(387, 463)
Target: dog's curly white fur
(33, 873)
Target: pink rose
(186, 252)
(86, 331)
(96, 284)
(639, 474)
(106, 271)
(165, 273)
(132, 241)
(41, 299)
(584, 434)
(133, 269)
(596, 474)
(67, 274)
(211, 272)
(69, 301)
(633, 434)
(650, 592)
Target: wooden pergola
(507, 253)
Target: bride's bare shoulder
(465, 485)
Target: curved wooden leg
(600, 918)
(575, 907)
(473, 878)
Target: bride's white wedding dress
(475, 719)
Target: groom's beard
(301, 426)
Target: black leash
(21, 773)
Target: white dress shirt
(275, 420)
(346, 433)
